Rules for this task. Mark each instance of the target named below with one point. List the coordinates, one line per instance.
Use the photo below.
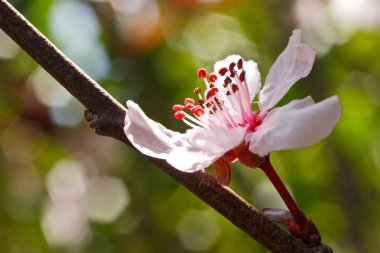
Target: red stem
(271, 173)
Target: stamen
(235, 110)
(212, 77)
(242, 76)
(227, 80)
(190, 124)
(227, 108)
(240, 63)
(189, 101)
(218, 103)
(197, 90)
(224, 118)
(198, 111)
(196, 121)
(202, 73)
(223, 71)
(244, 93)
(232, 66)
(178, 107)
(234, 88)
(179, 115)
(190, 106)
(211, 92)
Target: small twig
(271, 173)
(106, 116)
(299, 225)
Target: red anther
(201, 101)
(232, 66)
(240, 63)
(202, 73)
(209, 94)
(179, 115)
(198, 110)
(242, 76)
(212, 85)
(228, 93)
(178, 107)
(223, 71)
(197, 90)
(212, 77)
(232, 75)
(208, 104)
(227, 80)
(215, 90)
(234, 88)
(225, 85)
(189, 101)
(190, 106)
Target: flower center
(225, 101)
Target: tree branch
(106, 115)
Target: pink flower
(224, 127)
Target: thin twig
(106, 115)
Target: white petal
(295, 104)
(204, 147)
(298, 124)
(148, 136)
(189, 152)
(253, 78)
(252, 74)
(226, 62)
(294, 63)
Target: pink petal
(195, 150)
(298, 124)
(252, 74)
(294, 63)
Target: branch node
(96, 122)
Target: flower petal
(252, 74)
(195, 150)
(203, 147)
(148, 136)
(298, 124)
(294, 63)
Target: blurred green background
(65, 189)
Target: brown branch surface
(106, 115)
